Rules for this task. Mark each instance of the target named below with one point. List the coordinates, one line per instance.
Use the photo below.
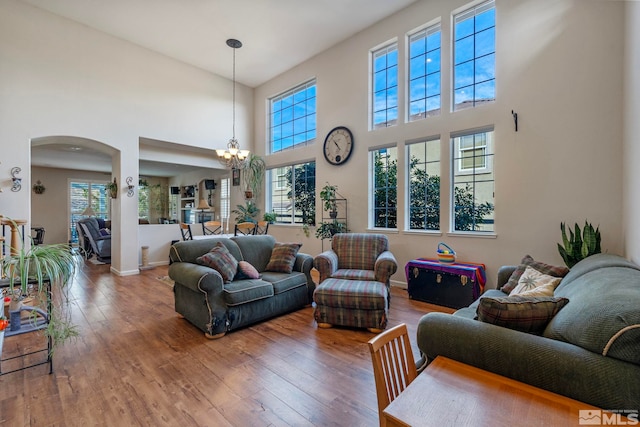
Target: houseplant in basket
(253, 176)
(27, 271)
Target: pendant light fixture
(233, 157)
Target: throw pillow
(246, 271)
(105, 232)
(220, 259)
(528, 261)
(283, 256)
(535, 284)
(524, 314)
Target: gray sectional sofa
(215, 307)
(589, 351)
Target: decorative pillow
(220, 259)
(246, 271)
(524, 314)
(105, 232)
(528, 261)
(283, 256)
(532, 283)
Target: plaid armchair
(357, 256)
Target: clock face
(338, 145)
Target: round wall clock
(338, 145)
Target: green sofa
(215, 307)
(589, 351)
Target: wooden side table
(450, 393)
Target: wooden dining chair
(245, 228)
(211, 227)
(185, 229)
(393, 365)
(262, 227)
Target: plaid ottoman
(354, 303)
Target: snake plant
(579, 244)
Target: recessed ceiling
(276, 34)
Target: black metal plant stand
(29, 325)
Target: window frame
(459, 16)
(103, 200)
(373, 189)
(309, 118)
(436, 139)
(424, 32)
(274, 179)
(383, 50)
(476, 179)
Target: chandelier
(233, 157)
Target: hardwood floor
(137, 363)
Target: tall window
(474, 56)
(292, 117)
(144, 195)
(424, 185)
(292, 193)
(225, 200)
(384, 179)
(385, 86)
(473, 181)
(83, 194)
(424, 73)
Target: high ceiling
(276, 35)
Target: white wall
(58, 77)
(558, 66)
(632, 132)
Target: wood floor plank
(136, 362)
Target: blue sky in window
(424, 73)
(385, 86)
(293, 119)
(474, 58)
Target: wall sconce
(130, 187)
(17, 182)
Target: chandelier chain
(233, 156)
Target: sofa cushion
(358, 251)
(350, 274)
(220, 259)
(283, 282)
(190, 250)
(256, 250)
(528, 261)
(283, 257)
(603, 316)
(244, 291)
(246, 271)
(535, 284)
(524, 314)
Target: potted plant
(328, 196)
(112, 188)
(579, 244)
(28, 272)
(253, 176)
(38, 187)
(326, 230)
(247, 212)
(270, 217)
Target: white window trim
(372, 52)
(452, 232)
(429, 28)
